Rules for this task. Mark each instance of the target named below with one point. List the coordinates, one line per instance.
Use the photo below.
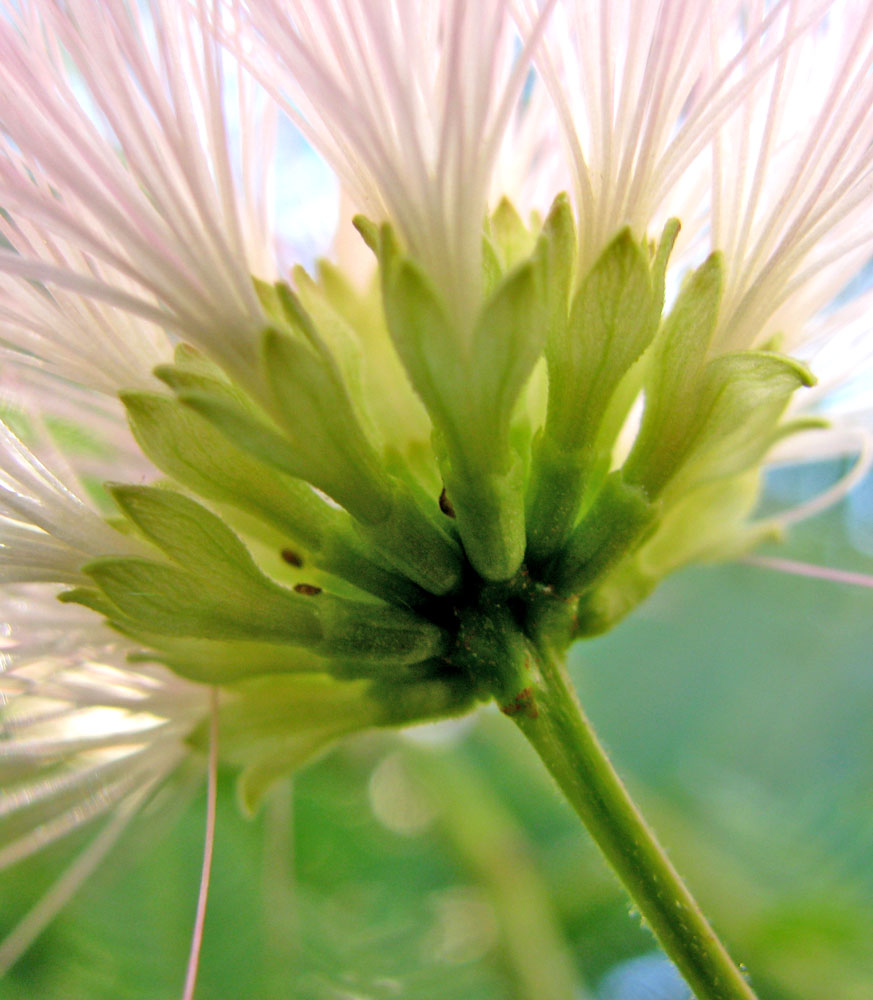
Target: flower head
(371, 505)
(792, 211)
(408, 103)
(124, 188)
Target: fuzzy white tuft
(124, 188)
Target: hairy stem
(558, 730)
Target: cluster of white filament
(135, 209)
(124, 189)
(408, 102)
(621, 80)
(47, 528)
(93, 736)
(792, 168)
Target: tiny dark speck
(292, 558)
(308, 589)
(446, 504)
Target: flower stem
(558, 730)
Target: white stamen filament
(208, 845)
(810, 570)
(159, 231)
(46, 909)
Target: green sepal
(603, 607)
(709, 522)
(268, 296)
(212, 661)
(190, 449)
(228, 661)
(672, 384)
(189, 534)
(194, 452)
(469, 383)
(354, 555)
(256, 780)
(273, 726)
(507, 341)
(558, 248)
(483, 474)
(421, 330)
(612, 321)
(801, 425)
(234, 415)
(369, 231)
(265, 708)
(375, 632)
(312, 405)
(197, 374)
(628, 389)
(742, 399)
(96, 600)
(310, 396)
(661, 259)
(489, 509)
(339, 336)
(407, 702)
(470, 386)
(492, 268)
(558, 481)
(91, 598)
(416, 543)
(614, 525)
(393, 414)
(170, 601)
(360, 308)
(511, 238)
(219, 593)
(252, 433)
(320, 440)
(190, 357)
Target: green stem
(558, 730)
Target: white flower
(125, 188)
(136, 212)
(767, 105)
(792, 169)
(348, 530)
(792, 210)
(408, 102)
(751, 124)
(630, 96)
(86, 740)
(49, 531)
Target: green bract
(400, 506)
(470, 382)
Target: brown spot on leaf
(446, 504)
(522, 704)
(292, 558)
(307, 589)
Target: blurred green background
(738, 704)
